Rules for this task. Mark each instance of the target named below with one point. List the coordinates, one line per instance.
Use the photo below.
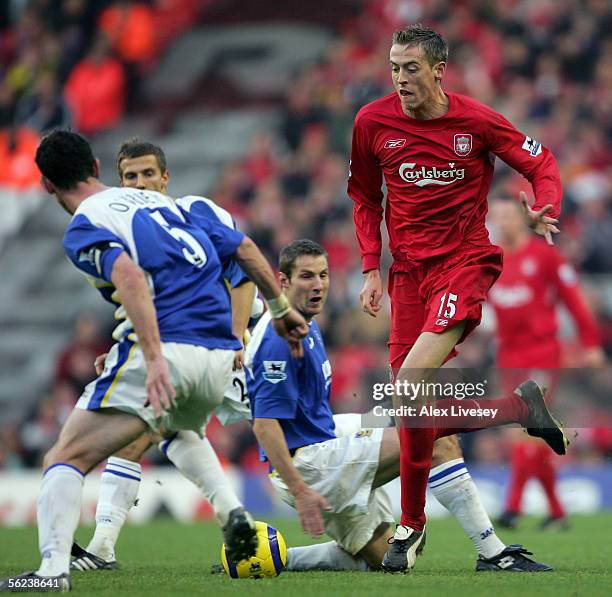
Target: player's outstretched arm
(538, 221)
(133, 290)
(287, 322)
(308, 502)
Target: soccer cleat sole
(240, 537)
(542, 423)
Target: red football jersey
(438, 173)
(534, 280)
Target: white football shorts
(342, 470)
(235, 406)
(199, 375)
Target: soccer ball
(268, 561)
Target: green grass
(167, 558)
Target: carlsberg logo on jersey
(422, 175)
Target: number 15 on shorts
(448, 305)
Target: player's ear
(284, 280)
(97, 168)
(439, 70)
(47, 185)
(165, 178)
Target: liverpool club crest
(463, 144)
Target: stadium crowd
(546, 65)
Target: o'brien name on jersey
(422, 175)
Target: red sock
(520, 472)
(547, 475)
(416, 446)
(511, 409)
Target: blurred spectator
(300, 112)
(39, 433)
(75, 362)
(11, 453)
(73, 21)
(7, 105)
(44, 108)
(174, 16)
(17, 150)
(261, 161)
(129, 26)
(95, 90)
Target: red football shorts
(438, 293)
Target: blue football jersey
(199, 211)
(294, 391)
(182, 261)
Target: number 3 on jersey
(450, 304)
(193, 251)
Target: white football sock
(453, 487)
(58, 513)
(323, 556)
(198, 462)
(118, 491)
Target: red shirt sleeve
(365, 189)
(527, 156)
(568, 290)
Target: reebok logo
(394, 143)
(422, 175)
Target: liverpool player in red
(435, 151)
(535, 279)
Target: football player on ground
(175, 350)
(435, 151)
(142, 165)
(535, 279)
(335, 483)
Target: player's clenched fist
(292, 327)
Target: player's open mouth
(406, 93)
(315, 301)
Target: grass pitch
(167, 558)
